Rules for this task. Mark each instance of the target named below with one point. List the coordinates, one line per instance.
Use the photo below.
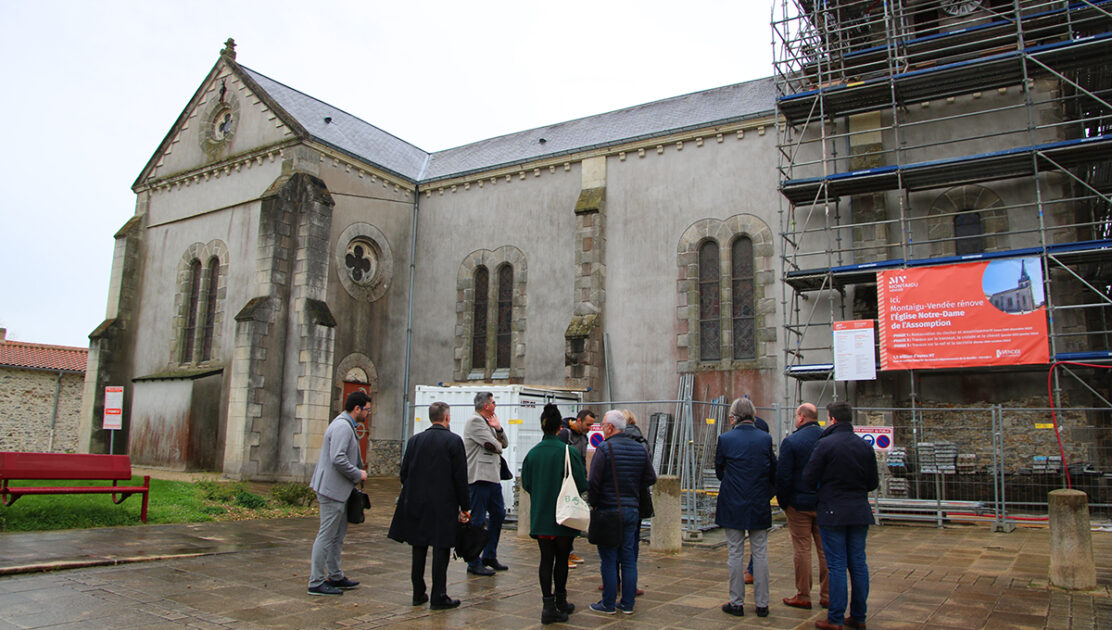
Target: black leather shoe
(480, 570)
(420, 599)
(730, 609)
(444, 604)
(495, 564)
(762, 612)
(343, 584)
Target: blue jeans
(486, 497)
(845, 549)
(626, 555)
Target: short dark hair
(840, 411)
(356, 399)
(437, 410)
(583, 413)
(550, 419)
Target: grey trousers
(735, 562)
(329, 542)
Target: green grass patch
(170, 502)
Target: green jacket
(542, 474)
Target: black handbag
(645, 504)
(504, 471)
(470, 540)
(605, 528)
(356, 503)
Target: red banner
(973, 314)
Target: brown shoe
(797, 602)
(825, 603)
(572, 565)
(826, 625)
(748, 577)
(576, 559)
(853, 623)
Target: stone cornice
(640, 147)
(217, 169)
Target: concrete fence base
(666, 534)
(1071, 542)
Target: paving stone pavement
(252, 574)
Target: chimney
(3, 334)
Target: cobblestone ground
(253, 575)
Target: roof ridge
(50, 346)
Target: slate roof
(38, 356)
(372, 145)
(671, 115)
(345, 132)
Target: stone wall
(27, 401)
(384, 458)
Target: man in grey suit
(338, 470)
(483, 440)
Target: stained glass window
(744, 312)
(479, 321)
(505, 315)
(968, 233)
(210, 308)
(710, 326)
(190, 330)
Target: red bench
(70, 466)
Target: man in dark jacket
(843, 469)
(434, 496)
(798, 502)
(746, 466)
(619, 470)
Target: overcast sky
(91, 88)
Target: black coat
(843, 469)
(632, 465)
(434, 489)
(795, 452)
(746, 466)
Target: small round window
(361, 261)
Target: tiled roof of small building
(40, 356)
(374, 146)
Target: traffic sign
(880, 438)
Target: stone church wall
(27, 398)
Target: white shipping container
(518, 407)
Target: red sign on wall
(972, 314)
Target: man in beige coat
(483, 440)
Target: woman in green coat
(542, 474)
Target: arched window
(505, 316)
(190, 330)
(743, 289)
(710, 327)
(210, 308)
(968, 232)
(479, 320)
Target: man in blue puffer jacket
(622, 459)
(746, 466)
(798, 502)
(843, 469)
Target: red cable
(1054, 415)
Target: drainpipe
(406, 404)
(54, 416)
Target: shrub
(221, 491)
(249, 500)
(293, 494)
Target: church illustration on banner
(1024, 297)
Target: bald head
(806, 413)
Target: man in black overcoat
(434, 496)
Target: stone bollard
(522, 512)
(666, 532)
(1071, 542)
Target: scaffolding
(915, 133)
